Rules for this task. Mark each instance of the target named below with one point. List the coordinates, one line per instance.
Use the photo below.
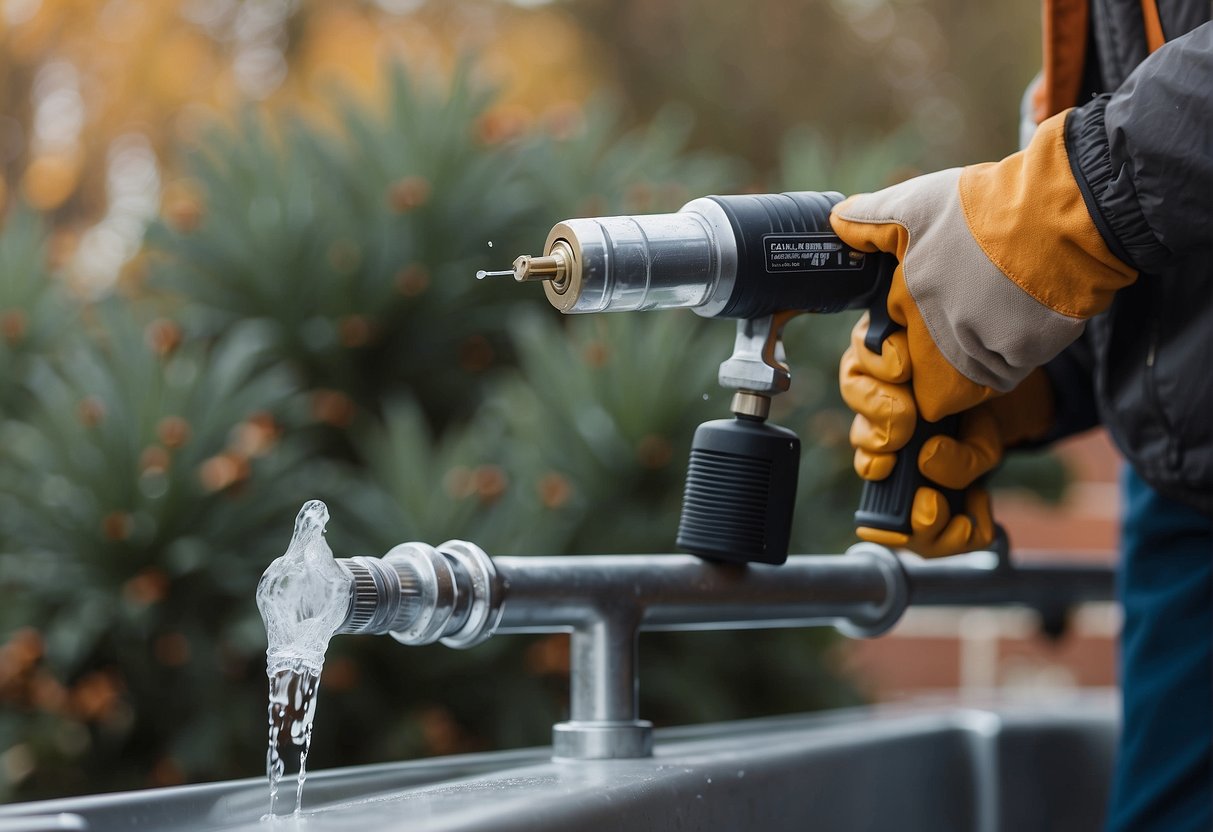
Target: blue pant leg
(1164, 778)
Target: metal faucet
(458, 595)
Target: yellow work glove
(877, 387)
(1000, 265)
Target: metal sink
(1039, 766)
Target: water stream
(303, 598)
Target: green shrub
(139, 499)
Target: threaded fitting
(419, 594)
(383, 598)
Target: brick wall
(971, 651)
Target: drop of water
(490, 243)
(303, 598)
(706, 397)
(482, 274)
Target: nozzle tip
(482, 274)
(553, 267)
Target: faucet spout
(419, 594)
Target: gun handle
(886, 504)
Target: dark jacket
(1143, 157)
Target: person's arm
(1127, 151)
(1001, 265)
(1143, 155)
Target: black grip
(740, 492)
(886, 504)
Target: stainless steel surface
(613, 261)
(458, 595)
(62, 822)
(1041, 765)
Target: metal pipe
(679, 592)
(980, 579)
(458, 595)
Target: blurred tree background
(236, 274)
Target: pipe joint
(876, 618)
(420, 594)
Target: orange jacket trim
(1065, 52)
(1154, 34)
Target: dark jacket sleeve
(1143, 155)
(1072, 378)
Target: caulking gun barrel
(723, 256)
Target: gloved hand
(1000, 265)
(877, 387)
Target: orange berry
(13, 325)
(117, 526)
(412, 280)
(333, 408)
(654, 451)
(490, 482)
(408, 193)
(162, 336)
(90, 411)
(173, 431)
(554, 490)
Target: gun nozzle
(553, 267)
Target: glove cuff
(1028, 215)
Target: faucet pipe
(458, 595)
